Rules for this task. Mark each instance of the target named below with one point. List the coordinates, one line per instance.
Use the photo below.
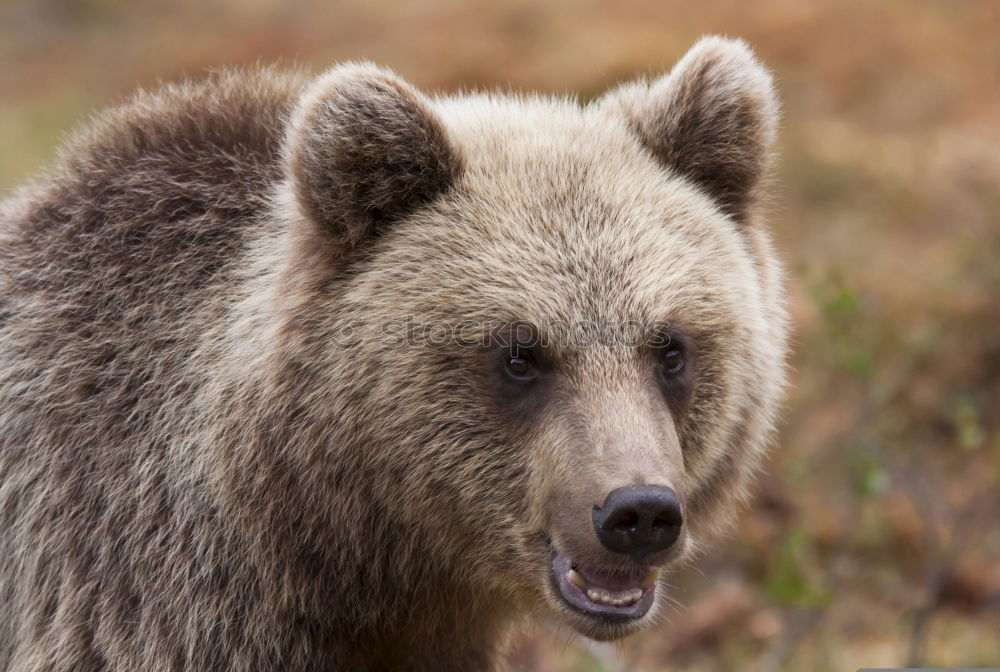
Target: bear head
(544, 341)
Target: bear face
(556, 329)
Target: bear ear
(363, 147)
(712, 119)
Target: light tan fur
(212, 457)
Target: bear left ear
(363, 147)
(712, 119)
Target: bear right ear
(712, 120)
(364, 147)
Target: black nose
(639, 520)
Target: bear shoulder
(153, 195)
(205, 145)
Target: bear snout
(638, 521)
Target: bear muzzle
(608, 585)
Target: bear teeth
(616, 598)
(619, 598)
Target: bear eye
(520, 366)
(673, 361)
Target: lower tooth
(616, 600)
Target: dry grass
(875, 539)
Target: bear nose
(638, 520)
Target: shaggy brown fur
(217, 452)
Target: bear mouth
(614, 599)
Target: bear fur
(219, 450)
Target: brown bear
(329, 374)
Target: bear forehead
(561, 214)
(567, 260)
(547, 142)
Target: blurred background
(874, 540)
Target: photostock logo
(410, 331)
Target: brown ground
(875, 541)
